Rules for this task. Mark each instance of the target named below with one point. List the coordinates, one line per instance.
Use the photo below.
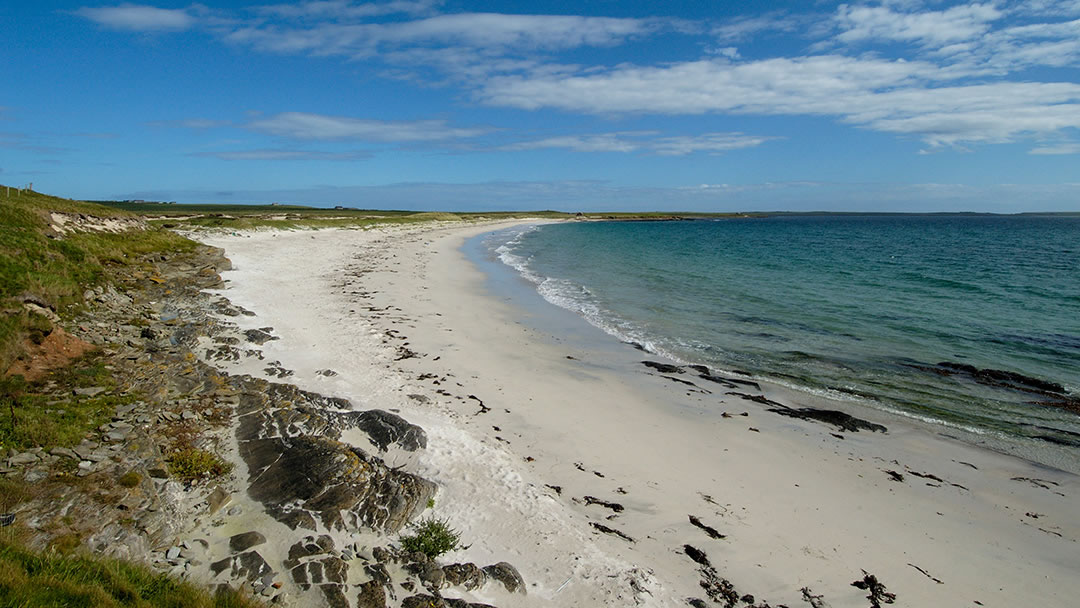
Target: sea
(968, 325)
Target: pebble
(172, 553)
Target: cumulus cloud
(892, 96)
(947, 74)
(301, 125)
(139, 18)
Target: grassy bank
(38, 265)
(35, 580)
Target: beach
(555, 449)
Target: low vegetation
(190, 464)
(41, 266)
(430, 536)
(33, 580)
(33, 416)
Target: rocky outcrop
(299, 467)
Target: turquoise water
(855, 308)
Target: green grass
(430, 536)
(34, 580)
(190, 464)
(58, 270)
(44, 419)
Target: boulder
(245, 540)
(372, 595)
(469, 576)
(340, 485)
(507, 575)
(386, 429)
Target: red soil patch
(55, 351)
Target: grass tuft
(431, 536)
(190, 464)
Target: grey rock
(372, 595)
(309, 546)
(246, 540)
(507, 575)
(432, 576)
(90, 391)
(115, 436)
(335, 570)
(65, 452)
(172, 553)
(469, 576)
(341, 485)
(386, 429)
(335, 596)
(259, 336)
(217, 499)
(22, 459)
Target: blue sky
(901, 105)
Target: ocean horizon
(968, 325)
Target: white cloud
(1063, 8)
(645, 141)
(805, 85)
(606, 142)
(342, 9)
(473, 31)
(932, 28)
(300, 125)
(891, 96)
(191, 123)
(1055, 149)
(745, 28)
(286, 154)
(138, 18)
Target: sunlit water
(853, 308)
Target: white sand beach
(525, 421)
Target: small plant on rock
(431, 536)
(192, 463)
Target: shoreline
(800, 507)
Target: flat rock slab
(246, 540)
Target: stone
(217, 499)
(341, 485)
(372, 595)
(23, 458)
(469, 576)
(335, 570)
(335, 596)
(507, 575)
(90, 391)
(245, 540)
(172, 553)
(386, 429)
(259, 336)
(432, 576)
(309, 546)
(65, 452)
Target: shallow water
(853, 308)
